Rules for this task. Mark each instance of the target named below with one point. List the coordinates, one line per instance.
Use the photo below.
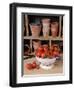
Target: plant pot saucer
(46, 67)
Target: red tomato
(57, 49)
(50, 54)
(55, 53)
(43, 55)
(47, 53)
(38, 54)
(34, 62)
(34, 65)
(45, 48)
(40, 48)
(29, 66)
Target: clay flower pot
(35, 29)
(36, 44)
(26, 49)
(46, 27)
(54, 29)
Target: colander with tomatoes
(47, 56)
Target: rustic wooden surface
(57, 68)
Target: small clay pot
(26, 49)
(36, 44)
(54, 29)
(35, 29)
(45, 20)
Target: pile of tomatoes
(31, 66)
(45, 52)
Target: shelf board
(26, 57)
(30, 56)
(44, 38)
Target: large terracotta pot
(54, 29)
(35, 29)
(46, 27)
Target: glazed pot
(35, 29)
(46, 27)
(54, 29)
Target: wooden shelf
(29, 56)
(43, 38)
(26, 57)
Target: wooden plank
(60, 21)
(26, 22)
(42, 38)
(31, 45)
(50, 43)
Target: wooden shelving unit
(50, 38)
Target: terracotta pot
(35, 29)
(46, 27)
(26, 49)
(54, 29)
(36, 44)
